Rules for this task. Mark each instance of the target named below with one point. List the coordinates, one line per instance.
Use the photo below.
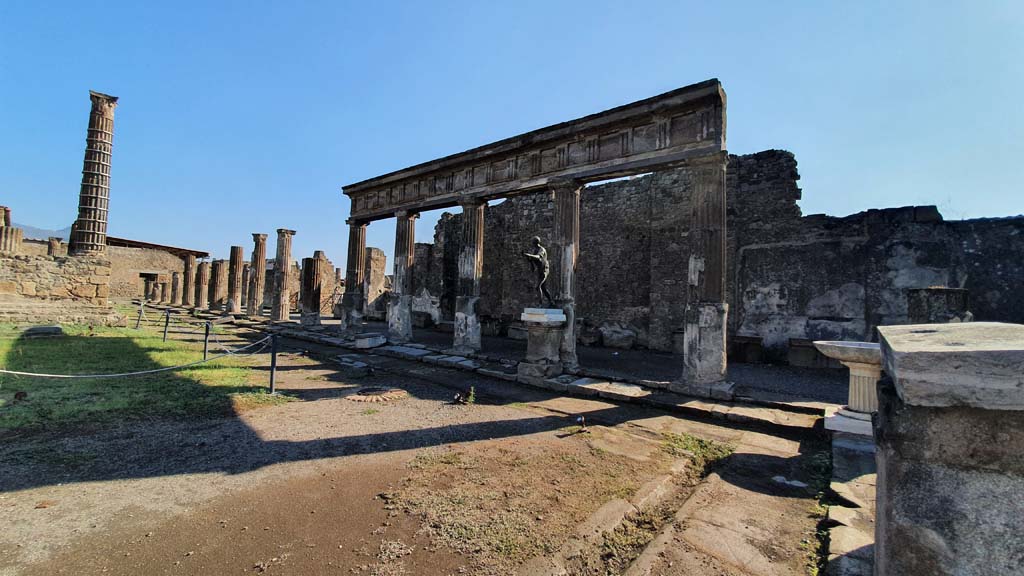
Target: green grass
(220, 387)
(702, 453)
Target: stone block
(84, 290)
(978, 364)
(8, 287)
(28, 288)
(364, 341)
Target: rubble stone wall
(789, 276)
(56, 278)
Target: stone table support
(202, 285)
(175, 289)
(355, 270)
(188, 286)
(234, 297)
(948, 437)
(219, 285)
(257, 275)
(704, 358)
(467, 323)
(280, 310)
(566, 196)
(400, 304)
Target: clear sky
(241, 117)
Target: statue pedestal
(544, 327)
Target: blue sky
(241, 117)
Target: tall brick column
(280, 309)
(355, 270)
(704, 359)
(234, 302)
(188, 290)
(175, 289)
(566, 248)
(89, 233)
(219, 285)
(400, 304)
(257, 275)
(467, 323)
(202, 285)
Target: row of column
(705, 315)
(231, 285)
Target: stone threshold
(568, 384)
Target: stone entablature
(655, 133)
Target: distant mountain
(42, 233)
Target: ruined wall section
(990, 255)
(127, 264)
(55, 289)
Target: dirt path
(296, 488)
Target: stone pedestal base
(863, 383)
(467, 325)
(848, 421)
(400, 319)
(310, 318)
(352, 313)
(545, 329)
(704, 360)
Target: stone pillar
(257, 275)
(202, 285)
(175, 289)
(246, 274)
(704, 360)
(5, 221)
(355, 269)
(219, 285)
(948, 437)
(234, 302)
(89, 233)
(10, 240)
(467, 324)
(147, 289)
(165, 293)
(937, 305)
(188, 287)
(400, 304)
(280, 309)
(566, 196)
(312, 287)
(53, 246)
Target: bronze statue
(541, 267)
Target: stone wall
(789, 276)
(42, 289)
(129, 264)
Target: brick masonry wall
(127, 265)
(788, 276)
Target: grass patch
(370, 412)
(702, 453)
(220, 387)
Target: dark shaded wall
(789, 276)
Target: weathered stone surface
(936, 305)
(978, 364)
(281, 307)
(615, 335)
(89, 231)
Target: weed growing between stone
(703, 454)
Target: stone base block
(400, 319)
(535, 373)
(704, 360)
(848, 422)
(370, 340)
(714, 390)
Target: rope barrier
(236, 353)
(143, 372)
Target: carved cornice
(672, 129)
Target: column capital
(355, 222)
(258, 237)
(471, 201)
(285, 232)
(408, 214)
(564, 185)
(101, 98)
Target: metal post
(273, 363)
(167, 322)
(138, 320)
(206, 341)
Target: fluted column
(175, 289)
(202, 285)
(355, 270)
(89, 233)
(566, 196)
(257, 275)
(400, 304)
(312, 287)
(471, 257)
(188, 286)
(147, 289)
(281, 308)
(219, 285)
(246, 274)
(234, 303)
(704, 358)
(165, 293)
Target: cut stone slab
(977, 364)
(364, 341)
(585, 386)
(38, 331)
(405, 351)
